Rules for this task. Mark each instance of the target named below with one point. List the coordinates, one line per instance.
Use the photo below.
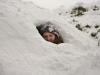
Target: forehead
(48, 33)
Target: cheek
(53, 39)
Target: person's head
(50, 34)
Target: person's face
(49, 37)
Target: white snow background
(23, 51)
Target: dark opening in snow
(49, 33)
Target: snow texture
(23, 51)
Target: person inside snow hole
(50, 33)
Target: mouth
(51, 41)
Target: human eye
(45, 36)
(51, 35)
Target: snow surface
(90, 17)
(23, 51)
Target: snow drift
(23, 51)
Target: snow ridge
(23, 51)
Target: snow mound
(23, 51)
(84, 17)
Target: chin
(52, 41)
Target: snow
(23, 51)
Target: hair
(58, 40)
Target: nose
(48, 39)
